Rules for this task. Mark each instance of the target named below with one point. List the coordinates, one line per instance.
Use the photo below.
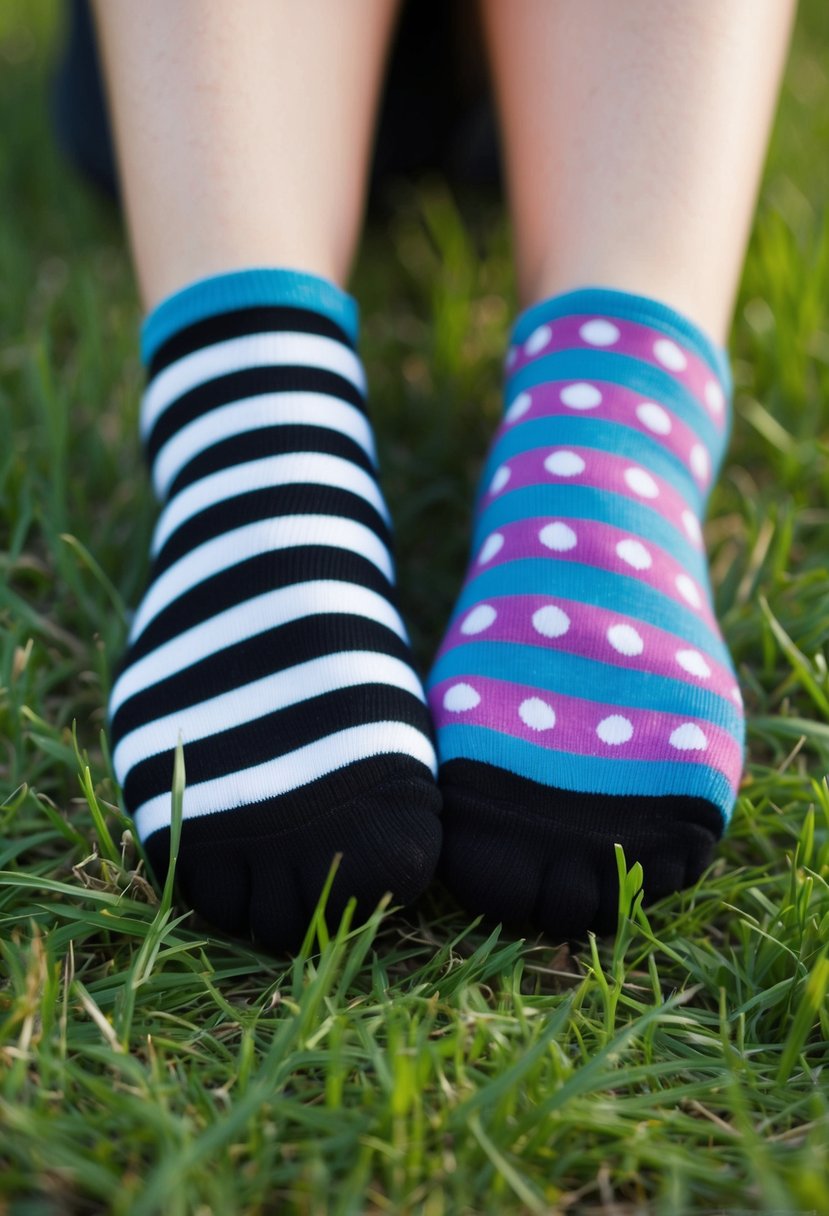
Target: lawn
(420, 1063)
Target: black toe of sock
(527, 854)
(264, 878)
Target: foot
(583, 695)
(268, 638)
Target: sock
(583, 694)
(268, 637)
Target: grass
(417, 1064)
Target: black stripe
(257, 575)
(250, 382)
(269, 441)
(278, 502)
(273, 650)
(238, 324)
(278, 734)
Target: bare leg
(243, 131)
(584, 696)
(634, 136)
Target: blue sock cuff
(254, 288)
(606, 301)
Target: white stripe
(247, 620)
(293, 468)
(273, 692)
(286, 773)
(252, 413)
(264, 536)
(238, 354)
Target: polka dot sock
(583, 694)
(268, 637)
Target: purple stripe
(591, 543)
(585, 728)
(615, 474)
(556, 624)
(618, 404)
(626, 338)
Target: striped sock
(583, 694)
(268, 637)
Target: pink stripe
(640, 341)
(524, 713)
(556, 624)
(618, 405)
(596, 544)
(615, 474)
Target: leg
(268, 638)
(634, 137)
(584, 695)
(243, 132)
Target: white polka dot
(479, 619)
(518, 408)
(538, 339)
(641, 483)
(490, 547)
(557, 536)
(736, 695)
(615, 730)
(581, 396)
(699, 462)
(688, 738)
(460, 697)
(714, 397)
(669, 355)
(694, 663)
(512, 355)
(687, 588)
(634, 553)
(691, 525)
(564, 464)
(537, 714)
(625, 639)
(551, 621)
(654, 417)
(599, 332)
(500, 479)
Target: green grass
(416, 1064)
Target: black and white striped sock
(268, 637)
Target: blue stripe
(626, 372)
(557, 671)
(254, 288)
(585, 774)
(608, 302)
(599, 588)
(607, 438)
(585, 502)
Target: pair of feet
(582, 695)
